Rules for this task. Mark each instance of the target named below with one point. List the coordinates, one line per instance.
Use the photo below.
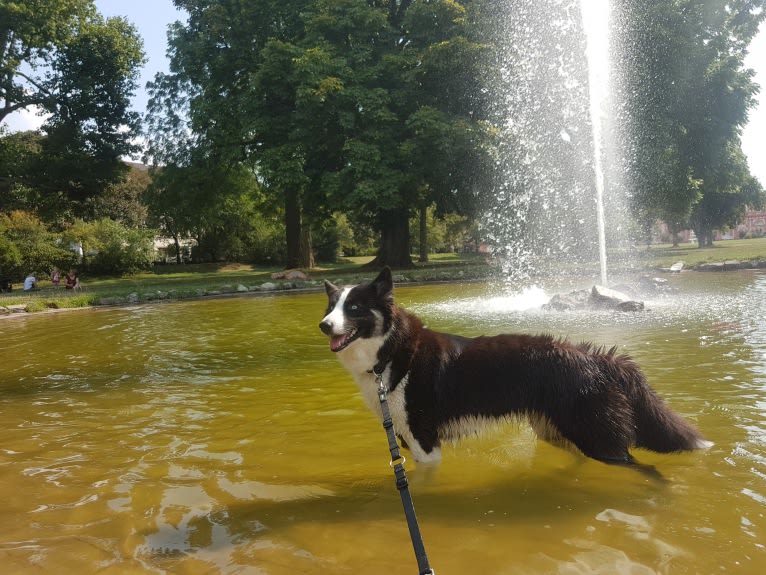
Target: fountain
(595, 18)
(551, 94)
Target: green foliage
(18, 153)
(317, 100)
(110, 247)
(122, 201)
(27, 246)
(446, 234)
(121, 250)
(219, 205)
(11, 262)
(686, 98)
(64, 59)
(265, 242)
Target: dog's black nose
(326, 327)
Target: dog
(441, 387)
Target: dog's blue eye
(355, 309)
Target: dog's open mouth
(339, 342)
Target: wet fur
(442, 387)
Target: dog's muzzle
(337, 341)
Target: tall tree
(685, 98)
(212, 103)
(411, 125)
(323, 99)
(64, 60)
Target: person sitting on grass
(72, 281)
(55, 277)
(30, 282)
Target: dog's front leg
(419, 454)
(427, 451)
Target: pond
(222, 436)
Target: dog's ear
(384, 284)
(330, 287)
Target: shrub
(26, 246)
(111, 248)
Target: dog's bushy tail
(657, 427)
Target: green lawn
(664, 255)
(193, 280)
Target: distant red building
(753, 225)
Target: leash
(397, 464)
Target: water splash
(548, 212)
(595, 19)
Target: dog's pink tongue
(336, 342)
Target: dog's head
(361, 311)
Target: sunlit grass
(194, 280)
(664, 255)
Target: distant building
(165, 249)
(753, 225)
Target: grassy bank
(664, 255)
(172, 282)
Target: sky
(151, 18)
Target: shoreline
(286, 287)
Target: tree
(405, 75)
(27, 246)
(319, 99)
(686, 95)
(18, 153)
(220, 206)
(122, 201)
(66, 61)
(213, 103)
(729, 191)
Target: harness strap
(397, 463)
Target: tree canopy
(364, 107)
(281, 124)
(685, 96)
(64, 61)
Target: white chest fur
(359, 365)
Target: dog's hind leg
(619, 455)
(608, 443)
(649, 471)
(549, 433)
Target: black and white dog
(442, 386)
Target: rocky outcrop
(730, 265)
(290, 275)
(596, 298)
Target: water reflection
(222, 436)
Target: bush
(26, 246)
(111, 248)
(267, 243)
(122, 250)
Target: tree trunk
(704, 237)
(307, 248)
(178, 248)
(394, 250)
(293, 229)
(423, 233)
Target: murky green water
(223, 437)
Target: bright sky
(754, 135)
(151, 18)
